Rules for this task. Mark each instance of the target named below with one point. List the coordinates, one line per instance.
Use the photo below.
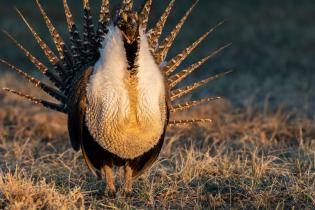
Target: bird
(115, 84)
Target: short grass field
(259, 152)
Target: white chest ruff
(124, 132)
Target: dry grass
(246, 159)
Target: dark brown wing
(78, 131)
(77, 107)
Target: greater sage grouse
(115, 85)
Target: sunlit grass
(246, 159)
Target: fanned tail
(103, 21)
(176, 123)
(177, 78)
(89, 41)
(76, 41)
(164, 47)
(39, 65)
(54, 60)
(146, 8)
(64, 53)
(191, 104)
(127, 5)
(47, 104)
(59, 43)
(187, 89)
(155, 33)
(175, 62)
(48, 52)
(51, 91)
(83, 52)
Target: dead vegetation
(247, 159)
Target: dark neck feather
(132, 51)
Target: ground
(246, 159)
(259, 153)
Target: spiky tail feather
(39, 65)
(155, 33)
(104, 19)
(176, 123)
(54, 60)
(76, 42)
(144, 16)
(83, 52)
(89, 36)
(177, 78)
(163, 48)
(49, 90)
(59, 43)
(187, 89)
(127, 5)
(47, 104)
(191, 104)
(177, 60)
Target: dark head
(128, 23)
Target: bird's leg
(110, 179)
(120, 174)
(128, 179)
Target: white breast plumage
(109, 116)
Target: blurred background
(272, 52)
